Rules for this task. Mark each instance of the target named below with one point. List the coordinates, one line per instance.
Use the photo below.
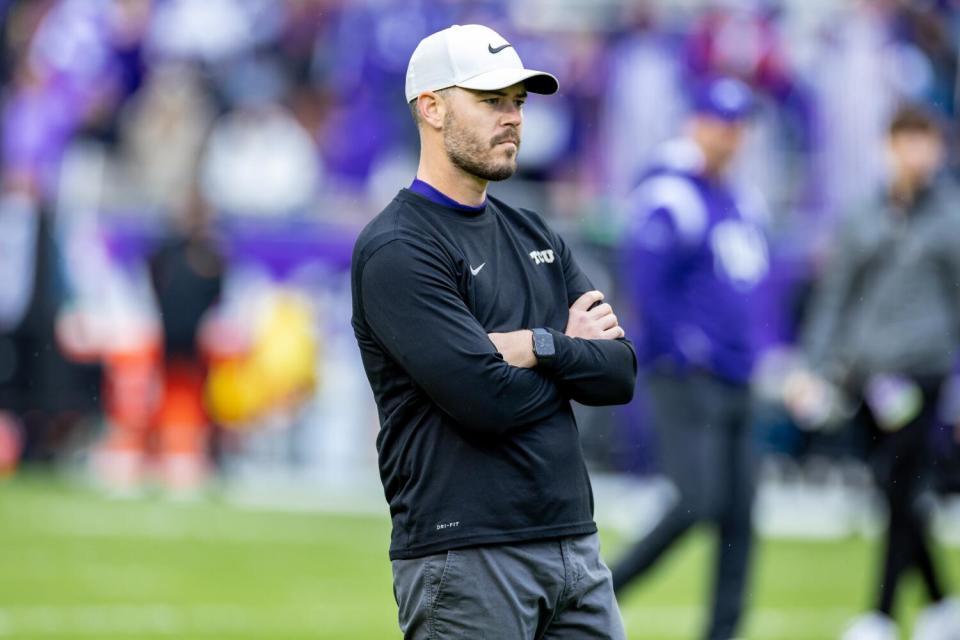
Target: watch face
(543, 345)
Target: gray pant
(547, 589)
(706, 450)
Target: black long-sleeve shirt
(473, 450)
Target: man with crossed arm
(477, 328)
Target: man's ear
(432, 109)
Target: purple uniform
(695, 253)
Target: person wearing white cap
(477, 329)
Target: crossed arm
(592, 354)
(415, 313)
(585, 321)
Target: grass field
(76, 565)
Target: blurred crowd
(181, 182)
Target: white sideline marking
(158, 620)
(165, 619)
(80, 521)
(795, 623)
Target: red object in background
(180, 416)
(156, 419)
(11, 444)
(744, 44)
(132, 384)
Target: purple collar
(430, 193)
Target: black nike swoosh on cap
(498, 49)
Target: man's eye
(519, 103)
(492, 101)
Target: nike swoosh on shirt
(498, 49)
(477, 270)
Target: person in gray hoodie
(884, 326)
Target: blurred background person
(156, 385)
(187, 274)
(694, 255)
(884, 327)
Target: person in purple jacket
(693, 256)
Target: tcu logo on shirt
(542, 257)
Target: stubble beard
(473, 155)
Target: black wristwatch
(543, 346)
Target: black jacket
(473, 450)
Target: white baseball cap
(471, 56)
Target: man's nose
(512, 115)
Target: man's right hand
(596, 323)
(810, 399)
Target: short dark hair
(416, 112)
(914, 118)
